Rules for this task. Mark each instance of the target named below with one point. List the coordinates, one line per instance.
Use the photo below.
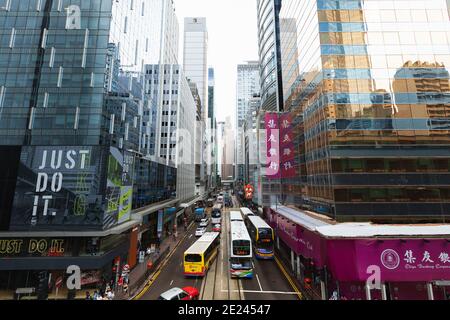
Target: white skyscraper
(248, 85)
(196, 70)
(168, 126)
(196, 57)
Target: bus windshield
(241, 248)
(241, 264)
(193, 258)
(265, 237)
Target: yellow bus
(200, 256)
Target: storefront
(26, 261)
(365, 261)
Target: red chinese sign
(248, 190)
(280, 146)
(287, 147)
(273, 146)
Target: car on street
(217, 228)
(210, 203)
(187, 293)
(204, 223)
(200, 232)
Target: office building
(367, 100)
(247, 86)
(270, 54)
(195, 63)
(72, 113)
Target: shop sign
(120, 185)
(249, 192)
(160, 222)
(32, 247)
(399, 260)
(58, 186)
(141, 256)
(91, 277)
(273, 146)
(287, 147)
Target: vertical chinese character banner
(273, 146)
(287, 148)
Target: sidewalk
(140, 274)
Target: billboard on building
(119, 195)
(66, 188)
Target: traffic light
(42, 291)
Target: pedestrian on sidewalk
(175, 232)
(110, 295)
(120, 283)
(125, 289)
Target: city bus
(246, 212)
(200, 213)
(236, 216)
(216, 214)
(200, 256)
(241, 265)
(263, 237)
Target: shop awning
(360, 230)
(369, 230)
(69, 234)
(140, 213)
(299, 217)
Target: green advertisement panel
(119, 195)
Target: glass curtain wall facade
(63, 112)
(271, 90)
(72, 102)
(369, 83)
(269, 53)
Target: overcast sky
(232, 29)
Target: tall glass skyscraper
(370, 82)
(270, 54)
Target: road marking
(259, 283)
(161, 267)
(262, 292)
(171, 283)
(191, 236)
(299, 294)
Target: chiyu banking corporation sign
(416, 259)
(398, 260)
